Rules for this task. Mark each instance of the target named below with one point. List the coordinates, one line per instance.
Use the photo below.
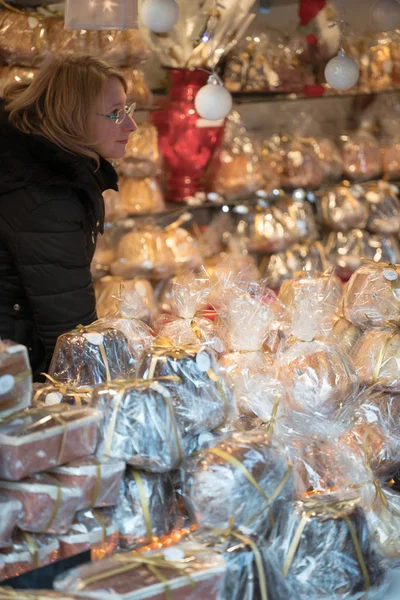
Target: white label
(53, 398)
(204, 438)
(15, 349)
(203, 361)
(7, 383)
(207, 123)
(94, 338)
(390, 274)
(173, 553)
(32, 22)
(373, 197)
(218, 345)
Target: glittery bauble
(342, 72)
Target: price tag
(94, 338)
(53, 398)
(390, 274)
(203, 361)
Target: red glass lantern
(186, 141)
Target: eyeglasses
(120, 114)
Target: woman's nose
(129, 124)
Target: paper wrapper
(320, 548)
(316, 295)
(376, 359)
(94, 530)
(239, 480)
(361, 157)
(90, 355)
(10, 510)
(275, 269)
(48, 506)
(108, 296)
(146, 508)
(140, 195)
(15, 378)
(9, 75)
(372, 296)
(139, 425)
(196, 573)
(201, 399)
(343, 208)
(144, 253)
(98, 480)
(41, 438)
(384, 523)
(105, 249)
(383, 208)
(142, 157)
(189, 296)
(316, 377)
(28, 552)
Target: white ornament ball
(159, 15)
(213, 102)
(342, 72)
(385, 15)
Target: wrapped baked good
(48, 506)
(126, 320)
(15, 378)
(186, 326)
(235, 169)
(58, 393)
(201, 399)
(391, 159)
(90, 355)
(144, 253)
(10, 509)
(372, 296)
(320, 548)
(383, 208)
(189, 572)
(376, 359)
(9, 593)
(9, 75)
(361, 157)
(242, 480)
(330, 159)
(139, 425)
(316, 377)
(184, 247)
(28, 552)
(301, 167)
(108, 296)
(98, 480)
(41, 438)
(142, 156)
(140, 195)
(24, 40)
(105, 252)
(138, 89)
(113, 211)
(272, 228)
(384, 522)
(146, 508)
(95, 530)
(344, 208)
(345, 334)
(309, 294)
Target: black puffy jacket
(51, 210)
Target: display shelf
(259, 97)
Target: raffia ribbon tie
(65, 389)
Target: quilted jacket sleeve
(49, 245)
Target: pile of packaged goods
(28, 38)
(245, 447)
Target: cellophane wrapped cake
(10, 509)
(108, 296)
(244, 479)
(92, 355)
(94, 530)
(139, 425)
(146, 507)
(142, 157)
(200, 396)
(189, 572)
(15, 378)
(98, 480)
(59, 393)
(41, 438)
(27, 552)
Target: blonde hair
(57, 103)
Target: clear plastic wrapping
(10, 508)
(191, 572)
(391, 159)
(316, 377)
(15, 378)
(189, 295)
(98, 480)
(24, 42)
(242, 479)
(376, 358)
(41, 438)
(90, 355)
(108, 296)
(321, 550)
(372, 296)
(301, 167)
(140, 195)
(383, 208)
(58, 393)
(361, 156)
(139, 425)
(17, 594)
(94, 530)
(344, 208)
(345, 334)
(146, 508)
(201, 399)
(48, 506)
(184, 247)
(142, 156)
(384, 523)
(28, 551)
(272, 228)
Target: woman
(55, 136)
